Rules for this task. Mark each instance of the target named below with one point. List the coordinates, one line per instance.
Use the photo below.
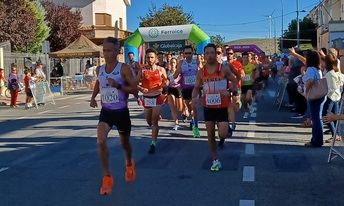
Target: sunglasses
(218, 53)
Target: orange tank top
(151, 79)
(213, 85)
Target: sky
(228, 18)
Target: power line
(253, 22)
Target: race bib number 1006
(213, 99)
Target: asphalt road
(48, 157)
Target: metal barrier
(70, 84)
(281, 90)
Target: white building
(101, 18)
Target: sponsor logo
(153, 33)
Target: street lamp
(298, 23)
(282, 28)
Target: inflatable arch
(189, 32)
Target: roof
(81, 3)
(73, 3)
(267, 45)
(80, 48)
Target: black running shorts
(119, 118)
(215, 114)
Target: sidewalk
(5, 102)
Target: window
(121, 23)
(103, 19)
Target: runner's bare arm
(139, 79)
(230, 76)
(164, 77)
(96, 85)
(131, 86)
(197, 88)
(178, 70)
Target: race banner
(168, 46)
(41, 92)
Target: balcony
(98, 33)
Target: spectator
(2, 82)
(312, 75)
(39, 73)
(28, 92)
(13, 86)
(334, 82)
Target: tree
(166, 16)
(218, 40)
(42, 30)
(64, 24)
(307, 31)
(17, 24)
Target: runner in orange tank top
(213, 78)
(152, 80)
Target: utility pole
(297, 24)
(281, 43)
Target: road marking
(251, 122)
(63, 98)
(249, 149)
(64, 107)
(45, 111)
(21, 117)
(246, 203)
(248, 174)
(4, 169)
(250, 134)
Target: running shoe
(245, 115)
(107, 185)
(195, 132)
(216, 166)
(130, 171)
(176, 127)
(151, 149)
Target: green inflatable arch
(189, 32)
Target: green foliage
(218, 40)
(307, 31)
(42, 29)
(166, 16)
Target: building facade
(329, 15)
(101, 18)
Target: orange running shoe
(130, 171)
(107, 185)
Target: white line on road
(63, 98)
(248, 174)
(64, 107)
(250, 134)
(4, 169)
(251, 122)
(45, 111)
(22, 117)
(246, 203)
(249, 149)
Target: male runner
(115, 81)
(152, 79)
(188, 68)
(213, 79)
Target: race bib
(109, 95)
(150, 102)
(247, 78)
(189, 80)
(213, 99)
